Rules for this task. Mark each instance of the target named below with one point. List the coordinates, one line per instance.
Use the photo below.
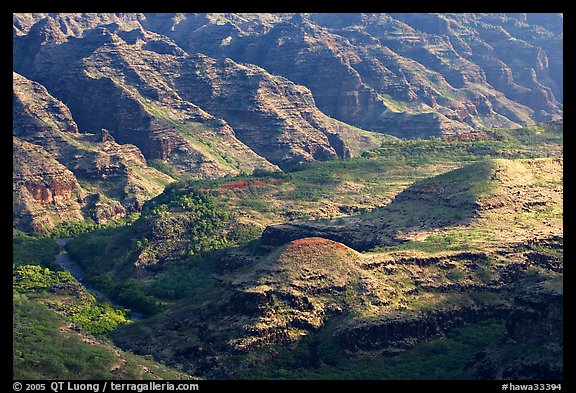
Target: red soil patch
(312, 241)
(235, 184)
(317, 241)
(243, 184)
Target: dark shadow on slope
(442, 201)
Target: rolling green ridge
(311, 196)
(197, 247)
(172, 257)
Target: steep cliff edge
(178, 108)
(409, 75)
(115, 178)
(44, 192)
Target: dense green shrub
(87, 313)
(132, 295)
(27, 249)
(30, 278)
(41, 352)
(243, 234)
(99, 251)
(72, 229)
(95, 318)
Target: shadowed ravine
(290, 196)
(65, 261)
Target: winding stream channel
(65, 261)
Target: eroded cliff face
(36, 111)
(116, 177)
(105, 101)
(205, 118)
(108, 84)
(385, 72)
(394, 334)
(44, 192)
(410, 75)
(273, 116)
(98, 97)
(536, 318)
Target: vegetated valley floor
(287, 195)
(422, 259)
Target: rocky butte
(352, 195)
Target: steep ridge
(115, 178)
(388, 73)
(44, 191)
(290, 129)
(36, 111)
(515, 59)
(131, 82)
(411, 75)
(491, 194)
(97, 98)
(122, 92)
(72, 24)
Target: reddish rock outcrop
(47, 124)
(44, 191)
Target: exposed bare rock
(537, 317)
(36, 111)
(115, 173)
(396, 333)
(540, 315)
(146, 91)
(290, 129)
(411, 75)
(44, 191)
(384, 72)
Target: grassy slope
(50, 325)
(335, 188)
(35, 250)
(320, 189)
(513, 200)
(45, 347)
